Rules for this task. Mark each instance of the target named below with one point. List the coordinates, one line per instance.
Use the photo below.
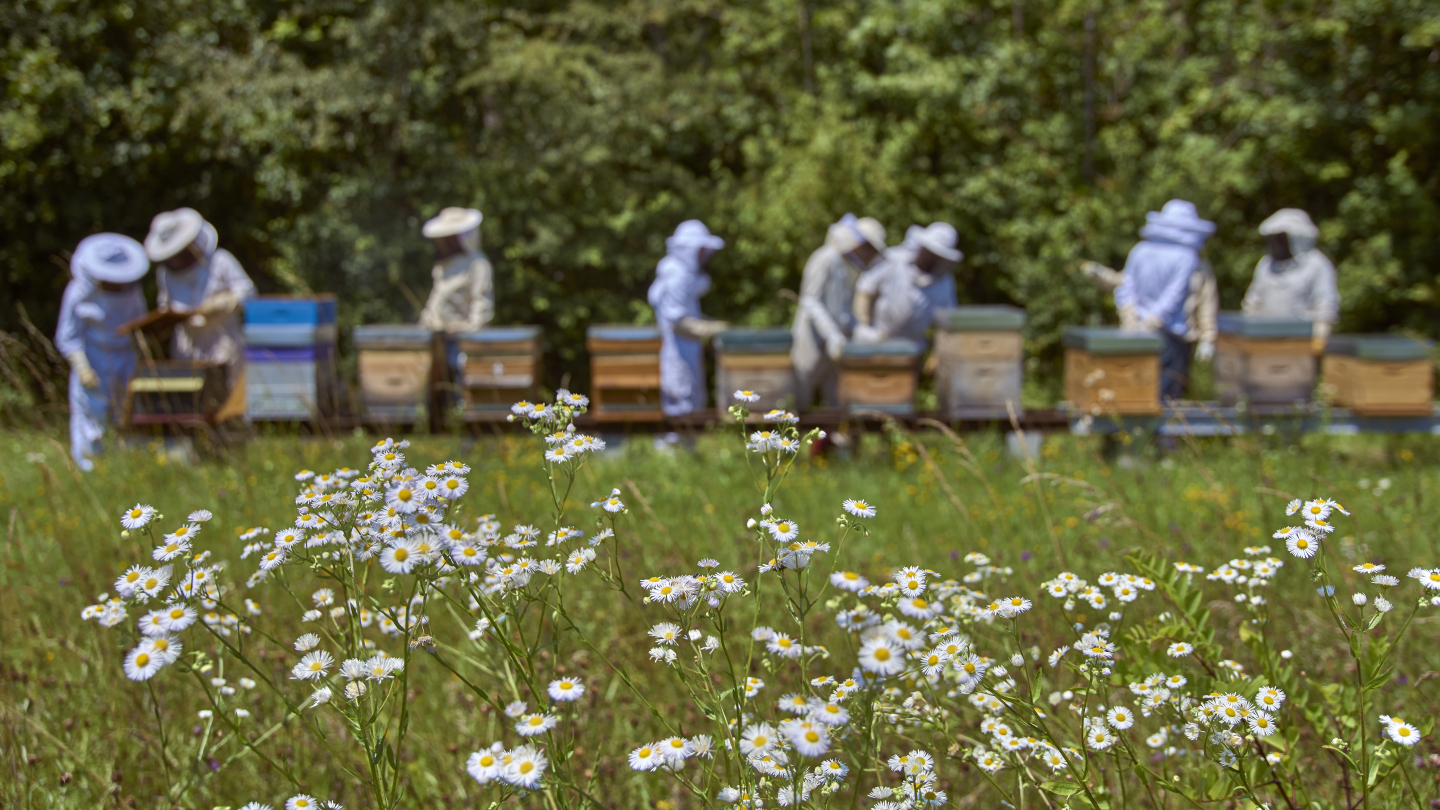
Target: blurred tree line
(318, 134)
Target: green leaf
(1381, 678)
(1061, 788)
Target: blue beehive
(290, 357)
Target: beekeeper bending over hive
(1294, 279)
(103, 293)
(199, 277)
(825, 320)
(898, 298)
(680, 283)
(463, 297)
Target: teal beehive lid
(391, 336)
(1111, 340)
(500, 334)
(1385, 348)
(1249, 326)
(884, 348)
(623, 332)
(992, 318)
(775, 340)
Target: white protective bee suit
(1302, 286)
(898, 299)
(680, 283)
(824, 319)
(101, 361)
(463, 296)
(215, 287)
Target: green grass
(71, 726)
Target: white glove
(1152, 322)
(865, 333)
(1319, 336)
(1204, 351)
(835, 348)
(81, 365)
(197, 320)
(1129, 318)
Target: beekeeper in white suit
(197, 276)
(680, 283)
(899, 297)
(463, 296)
(103, 294)
(1294, 279)
(825, 320)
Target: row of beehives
(1262, 361)
(406, 372)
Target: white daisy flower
(566, 690)
(137, 516)
(313, 666)
(859, 508)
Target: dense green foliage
(318, 134)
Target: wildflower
(1358, 598)
(312, 666)
(1119, 717)
(484, 765)
(675, 749)
(782, 645)
(662, 655)
(646, 758)
(1368, 568)
(810, 739)
(783, 531)
(1402, 732)
(1383, 605)
(1384, 580)
(302, 802)
(566, 690)
(401, 556)
(746, 396)
(1261, 724)
(527, 766)
(758, 739)
(1427, 577)
(859, 508)
(307, 642)
(142, 663)
(849, 581)
(666, 633)
(532, 724)
(1302, 544)
(1180, 649)
(137, 516)
(881, 656)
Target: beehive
(880, 377)
(170, 392)
(624, 373)
(290, 357)
(755, 360)
(1112, 371)
(396, 367)
(502, 366)
(1380, 375)
(980, 356)
(1265, 361)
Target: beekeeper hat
(940, 238)
(693, 233)
(851, 231)
(111, 257)
(171, 232)
(1180, 214)
(452, 222)
(1292, 222)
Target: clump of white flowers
(811, 680)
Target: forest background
(318, 134)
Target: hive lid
(775, 340)
(885, 348)
(622, 332)
(1379, 347)
(391, 334)
(1237, 323)
(993, 318)
(280, 309)
(1111, 340)
(500, 334)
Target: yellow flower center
(401, 554)
(142, 659)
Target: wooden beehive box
(980, 356)
(1112, 371)
(624, 373)
(754, 360)
(880, 377)
(173, 392)
(290, 357)
(396, 369)
(1380, 375)
(1265, 361)
(502, 366)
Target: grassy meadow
(74, 733)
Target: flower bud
(1358, 598)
